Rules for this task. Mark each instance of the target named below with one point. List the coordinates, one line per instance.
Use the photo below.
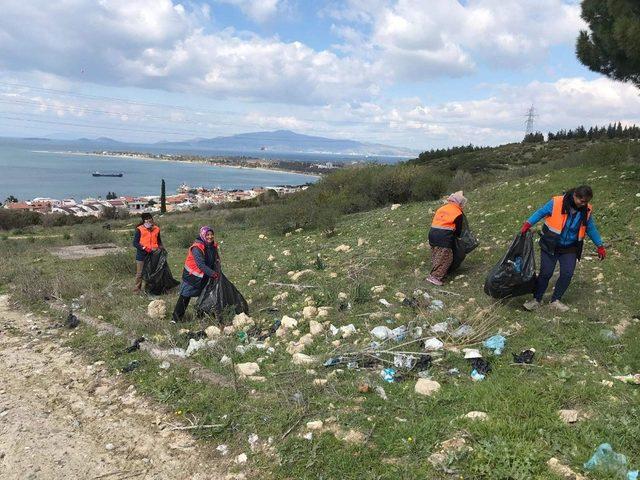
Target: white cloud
(161, 44)
(448, 38)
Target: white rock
(229, 330)
(222, 449)
(296, 276)
(315, 425)
(361, 242)
(212, 331)
(309, 312)
(225, 360)
(286, 253)
(347, 330)
(195, 345)
(427, 387)
(252, 282)
(242, 320)
(157, 309)
(306, 339)
(301, 359)
(395, 206)
(475, 415)
(246, 369)
(242, 458)
(288, 323)
(432, 344)
(378, 288)
(471, 353)
(281, 297)
(271, 258)
(342, 296)
(320, 382)
(315, 328)
(384, 302)
(568, 416)
(262, 236)
(323, 312)
(342, 248)
(109, 446)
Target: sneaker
(434, 280)
(531, 305)
(558, 305)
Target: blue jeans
(547, 266)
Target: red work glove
(602, 252)
(525, 227)
(215, 275)
(147, 249)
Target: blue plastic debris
(606, 460)
(476, 376)
(388, 375)
(495, 343)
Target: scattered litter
(333, 361)
(131, 366)
(71, 321)
(470, 353)
(399, 333)
(381, 332)
(242, 458)
(410, 302)
(481, 365)
(630, 379)
(404, 361)
(308, 436)
(225, 360)
(384, 302)
(165, 365)
(477, 376)
(223, 449)
(381, 393)
(195, 345)
(315, 425)
(135, 345)
(463, 331)
(436, 305)
(441, 327)
(495, 343)
(606, 460)
(347, 330)
(177, 352)
(388, 375)
(453, 372)
(526, 356)
(608, 334)
(253, 440)
(364, 388)
(431, 344)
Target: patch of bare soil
(76, 252)
(63, 418)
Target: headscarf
(457, 198)
(203, 233)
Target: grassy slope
(523, 431)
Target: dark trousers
(181, 307)
(547, 266)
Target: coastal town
(186, 198)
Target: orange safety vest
(445, 217)
(190, 264)
(149, 237)
(556, 221)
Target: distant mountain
(286, 141)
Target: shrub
(90, 235)
(15, 219)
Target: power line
(531, 114)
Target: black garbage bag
(218, 295)
(157, 274)
(463, 245)
(515, 274)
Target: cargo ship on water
(107, 174)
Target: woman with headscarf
(202, 263)
(445, 227)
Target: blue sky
(412, 73)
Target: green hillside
(363, 435)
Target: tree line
(593, 133)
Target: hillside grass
(398, 435)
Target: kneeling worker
(567, 220)
(445, 227)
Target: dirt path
(62, 418)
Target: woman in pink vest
(202, 263)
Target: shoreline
(204, 162)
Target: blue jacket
(569, 235)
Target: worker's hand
(602, 252)
(525, 227)
(148, 250)
(215, 275)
